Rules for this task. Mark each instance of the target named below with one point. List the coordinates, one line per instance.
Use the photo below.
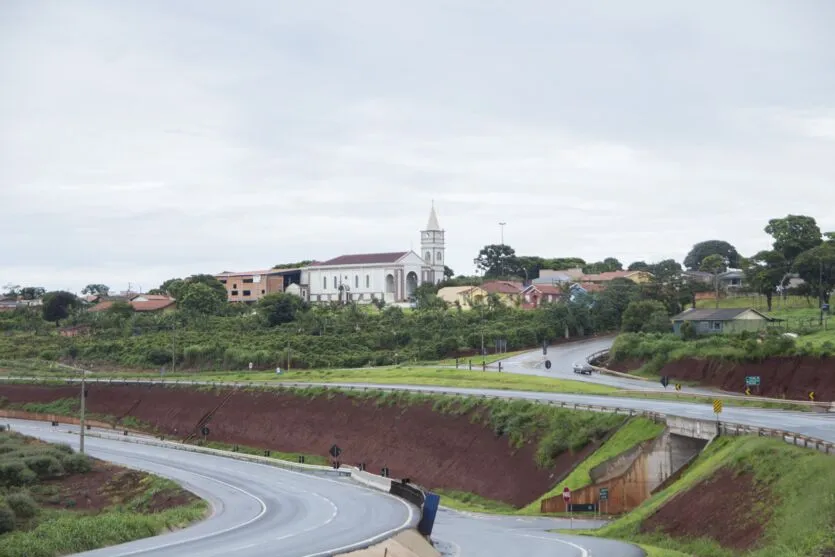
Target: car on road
(583, 368)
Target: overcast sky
(142, 140)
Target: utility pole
(482, 333)
(820, 287)
(81, 421)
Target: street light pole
(820, 287)
(81, 421)
(501, 224)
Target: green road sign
(604, 493)
(752, 380)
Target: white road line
(583, 551)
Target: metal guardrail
(728, 428)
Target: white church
(391, 276)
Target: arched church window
(356, 281)
(325, 283)
(368, 281)
(428, 257)
(440, 257)
(334, 283)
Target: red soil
(105, 485)
(435, 450)
(784, 377)
(730, 508)
(626, 366)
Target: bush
(15, 473)
(7, 519)
(44, 465)
(22, 504)
(77, 463)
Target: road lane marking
(583, 551)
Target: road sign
(747, 390)
(566, 494)
(752, 380)
(205, 430)
(547, 364)
(665, 381)
(812, 396)
(583, 507)
(604, 493)
(717, 406)
(544, 347)
(678, 386)
(335, 451)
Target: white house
(390, 276)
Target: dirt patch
(783, 377)
(730, 508)
(104, 486)
(436, 450)
(626, 366)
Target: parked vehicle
(583, 368)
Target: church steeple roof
(433, 220)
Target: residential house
(537, 294)
(462, 296)
(731, 279)
(509, 292)
(8, 304)
(698, 276)
(711, 321)
(141, 303)
(638, 277)
(249, 287)
(549, 276)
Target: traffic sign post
(604, 496)
(678, 386)
(812, 396)
(752, 380)
(665, 381)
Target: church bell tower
(432, 249)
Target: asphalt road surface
(264, 511)
(259, 510)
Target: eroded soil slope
(434, 449)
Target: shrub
(77, 463)
(15, 473)
(22, 504)
(44, 465)
(7, 519)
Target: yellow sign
(812, 396)
(717, 406)
(678, 386)
(747, 390)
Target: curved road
(259, 510)
(264, 511)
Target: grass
(278, 455)
(633, 432)
(29, 530)
(661, 552)
(470, 502)
(801, 481)
(726, 401)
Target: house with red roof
(144, 303)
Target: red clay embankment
(789, 377)
(436, 450)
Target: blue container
(430, 509)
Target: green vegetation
(659, 552)
(477, 359)
(37, 520)
(470, 502)
(633, 432)
(278, 455)
(800, 481)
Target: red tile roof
(160, 302)
(502, 287)
(547, 289)
(592, 287)
(365, 259)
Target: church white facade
(390, 276)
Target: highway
(258, 511)
(261, 511)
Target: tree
(648, 316)
(172, 287)
(497, 260)
(764, 271)
(11, 290)
(122, 310)
(296, 265)
(638, 266)
(606, 266)
(200, 298)
(700, 251)
(32, 292)
(665, 271)
(280, 308)
(817, 267)
(610, 304)
(57, 305)
(793, 235)
(96, 290)
(714, 264)
(448, 273)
